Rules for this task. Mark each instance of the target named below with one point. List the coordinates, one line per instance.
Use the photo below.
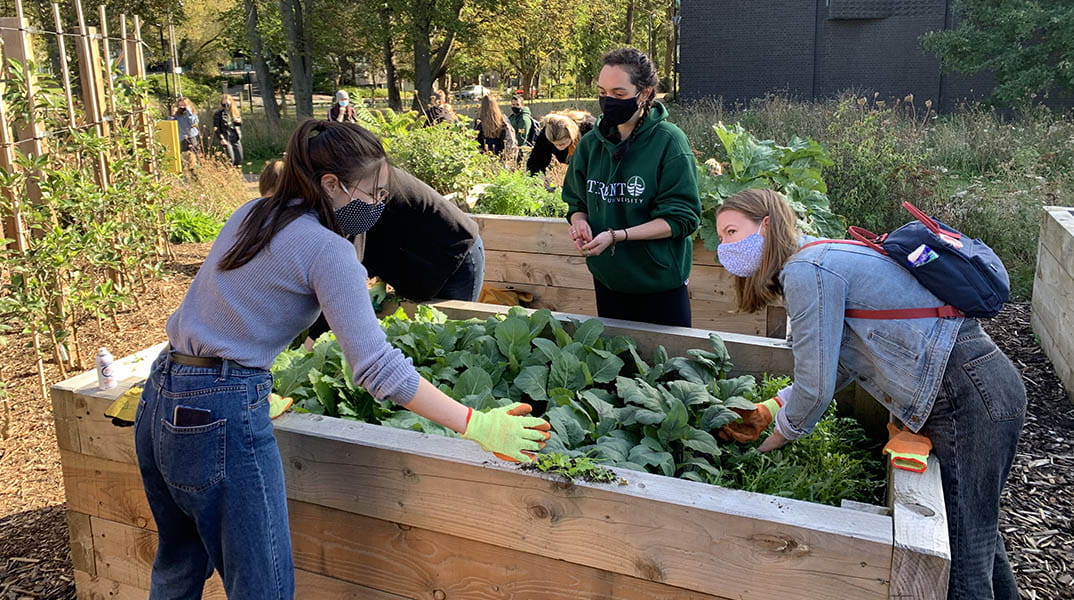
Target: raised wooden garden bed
(1053, 291)
(535, 255)
(385, 513)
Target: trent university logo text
(629, 192)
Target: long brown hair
(316, 148)
(492, 121)
(781, 242)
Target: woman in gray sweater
(209, 462)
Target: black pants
(660, 308)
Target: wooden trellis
(93, 76)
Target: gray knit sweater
(252, 313)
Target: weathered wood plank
(78, 524)
(706, 315)
(751, 354)
(547, 235)
(1057, 234)
(129, 551)
(105, 488)
(680, 533)
(82, 427)
(921, 559)
(539, 269)
(419, 563)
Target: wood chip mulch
(35, 561)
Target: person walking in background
(631, 192)
(189, 141)
(342, 111)
(560, 133)
(439, 109)
(493, 131)
(227, 127)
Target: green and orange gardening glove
(508, 432)
(753, 422)
(909, 451)
(277, 404)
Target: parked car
(472, 92)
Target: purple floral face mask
(742, 258)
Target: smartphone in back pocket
(188, 416)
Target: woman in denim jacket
(942, 377)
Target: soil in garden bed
(35, 557)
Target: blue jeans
(216, 490)
(465, 283)
(974, 427)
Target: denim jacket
(900, 362)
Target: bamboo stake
(107, 64)
(63, 65)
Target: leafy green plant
(520, 194)
(187, 224)
(604, 400)
(446, 156)
(793, 170)
(573, 468)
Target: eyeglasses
(378, 195)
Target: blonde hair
(270, 177)
(491, 117)
(781, 242)
(563, 125)
(189, 105)
(232, 108)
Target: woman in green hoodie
(521, 121)
(632, 199)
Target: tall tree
(527, 33)
(266, 82)
(629, 26)
(1028, 46)
(299, 55)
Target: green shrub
(187, 224)
(519, 194)
(445, 156)
(201, 95)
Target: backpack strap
(939, 312)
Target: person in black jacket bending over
(561, 133)
(423, 246)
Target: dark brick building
(813, 49)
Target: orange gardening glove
(909, 451)
(508, 432)
(753, 422)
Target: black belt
(195, 361)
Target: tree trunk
(669, 53)
(428, 63)
(264, 75)
(395, 102)
(298, 56)
(629, 23)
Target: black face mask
(617, 110)
(516, 109)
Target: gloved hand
(125, 408)
(909, 451)
(378, 293)
(278, 404)
(753, 422)
(507, 432)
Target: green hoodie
(656, 178)
(521, 124)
